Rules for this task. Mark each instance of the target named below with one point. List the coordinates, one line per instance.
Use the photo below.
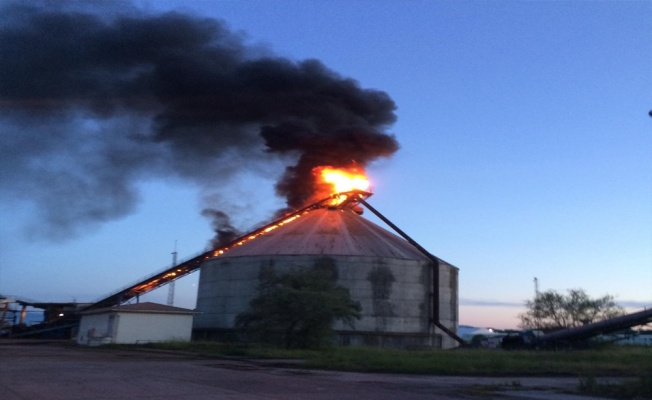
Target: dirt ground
(46, 370)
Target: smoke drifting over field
(92, 103)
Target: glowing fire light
(341, 181)
(344, 180)
(262, 231)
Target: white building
(135, 323)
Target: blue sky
(525, 151)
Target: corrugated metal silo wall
(448, 302)
(395, 295)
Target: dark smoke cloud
(225, 231)
(92, 103)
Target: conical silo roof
(326, 231)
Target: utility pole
(171, 287)
(536, 287)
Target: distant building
(135, 323)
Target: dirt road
(55, 371)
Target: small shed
(135, 323)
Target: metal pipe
(600, 327)
(435, 275)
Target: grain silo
(404, 304)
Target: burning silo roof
(328, 231)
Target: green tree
(298, 308)
(553, 310)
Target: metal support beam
(435, 274)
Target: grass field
(609, 361)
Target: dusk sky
(525, 143)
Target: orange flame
(339, 181)
(262, 231)
(343, 179)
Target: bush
(297, 309)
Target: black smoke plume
(225, 231)
(92, 102)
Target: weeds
(614, 361)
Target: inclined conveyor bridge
(607, 326)
(192, 264)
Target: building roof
(143, 308)
(324, 231)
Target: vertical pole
(23, 314)
(4, 312)
(171, 288)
